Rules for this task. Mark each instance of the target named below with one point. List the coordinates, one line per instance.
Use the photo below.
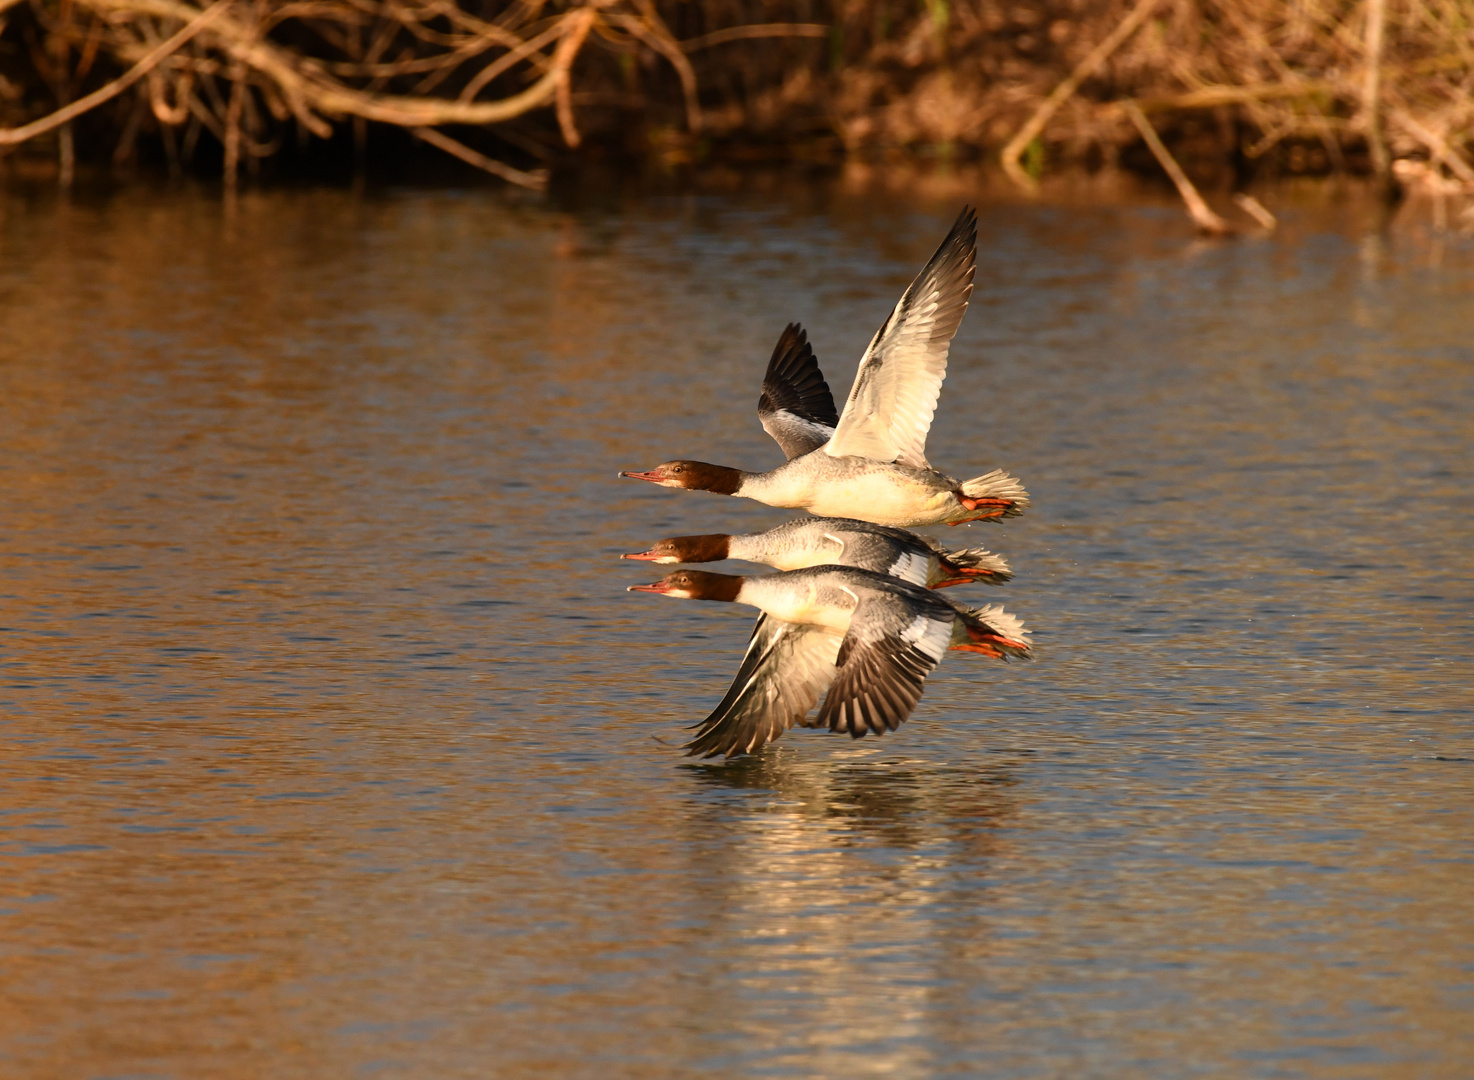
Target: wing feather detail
(882, 664)
(796, 407)
(890, 408)
(785, 670)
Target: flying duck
(868, 463)
(805, 542)
(868, 640)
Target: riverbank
(1226, 92)
(1299, 206)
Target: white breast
(797, 602)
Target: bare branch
(537, 181)
(1371, 96)
(1202, 214)
(503, 63)
(652, 31)
(1255, 209)
(757, 30)
(10, 136)
(314, 91)
(1061, 93)
(1437, 146)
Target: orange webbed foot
(983, 515)
(979, 647)
(973, 504)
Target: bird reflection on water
(887, 802)
(840, 879)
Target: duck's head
(712, 547)
(693, 475)
(694, 585)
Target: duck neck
(708, 547)
(726, 588)
(753, 592)
(784, 486)
(749, 547)
(717, 478)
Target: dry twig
(1061, 93)
(1202, 214)
(537, 181)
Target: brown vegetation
(1378, 86)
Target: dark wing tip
(963, 236)
(789, 352)
(734, 727)
(966, 223)
(951, 269)
(793, 381)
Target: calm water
(333, 746)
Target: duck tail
(994, 632)
(970, 565)
(991, 497)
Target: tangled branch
(1378, 86)
(1390, 80)
(239, 70)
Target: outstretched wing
(786, 668)
(796, 407)
(883, 662)
(890, 407)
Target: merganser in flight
(839, 542)
(869, 640)
(870, 462)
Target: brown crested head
(692, 475)
(694, 585)
(711, 547)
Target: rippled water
(334, 746)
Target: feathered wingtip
(994, 632)
(719, 740)
(991, 497)
(972, 565)
(728, 732)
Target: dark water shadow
(891, 801)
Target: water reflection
(844, 888)
(331, 732)
(898, 803)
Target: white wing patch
(911, 567)
(930, 635)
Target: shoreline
(1352, 201)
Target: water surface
(335, 748)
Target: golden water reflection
(334, 746)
